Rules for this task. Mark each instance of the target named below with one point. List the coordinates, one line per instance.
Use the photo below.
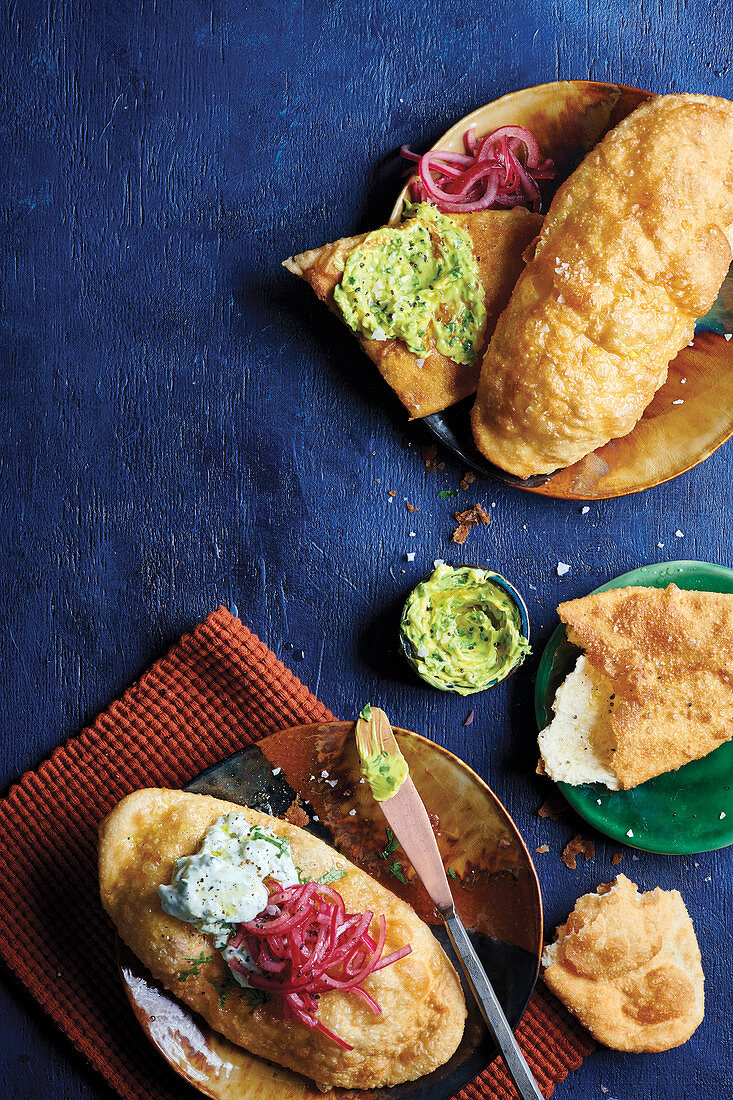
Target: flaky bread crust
(627, 965)
(634, 248)
(423, 1008)
(669, 655)
(499, 238)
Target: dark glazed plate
(678, 813)
(495, 887)
(692, 414)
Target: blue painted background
(182, 425)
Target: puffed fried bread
(634, 248)
(627, 965)
(653, 690)
(424, 386)
(423, 1009)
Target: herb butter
(417, 282)
(461, 630)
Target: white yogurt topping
(221, 885)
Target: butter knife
(382, 762)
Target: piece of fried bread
(653, 690)
(423, 1009)
(633, 250)
(499, 237)
(627, 965)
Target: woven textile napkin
(217, 690)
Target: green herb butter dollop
(417, 282)
(461, 630)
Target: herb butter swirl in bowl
(464, 629)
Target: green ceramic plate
(679, 812)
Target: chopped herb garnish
(444, 493)
(366, 712)
(451, 872)
(332, 876)
(255, 997)
(224, 988)
(391, 846)
(397, 871)
(196, 966)
(280, 842)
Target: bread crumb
(296, 813)
(552, 807)
(429, 453)
(542, 848)
(616, 859)
(468, 519)
(467, 479)
(576, 847)
(411, 507)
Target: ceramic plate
(495, 888)
(679, 812)
(692, 414)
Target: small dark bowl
(517, 599)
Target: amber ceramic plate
(492, 877)
(692, 414)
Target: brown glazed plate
(495, 888)
(692, 414)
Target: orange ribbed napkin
(216, 691)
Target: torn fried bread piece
(427, 378)
(627, 965)
(652, 691)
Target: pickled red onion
(305, 944)
(488, 174)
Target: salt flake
(562, 568)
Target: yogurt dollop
(222, 884)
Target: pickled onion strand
(489, 173)
(307, 945)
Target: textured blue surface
(182, 425)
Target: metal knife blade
(408, 819)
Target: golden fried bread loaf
(628, 966)
(667, 659)
(423, 1009)
(633, 249)
(499, 238)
